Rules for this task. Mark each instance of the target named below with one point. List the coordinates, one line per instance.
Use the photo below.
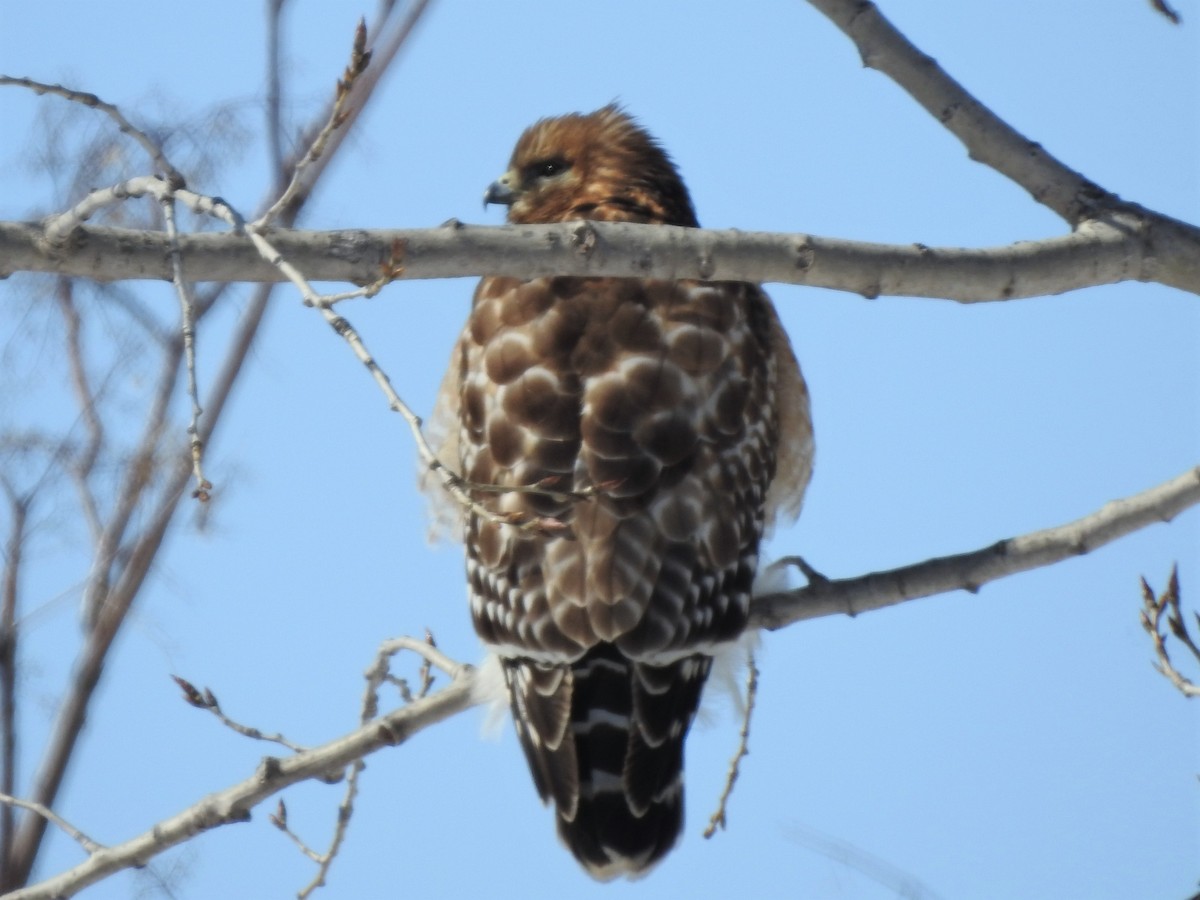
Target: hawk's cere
(661, 425)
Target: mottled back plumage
(677, 408)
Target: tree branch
(1167, 606)
(9, 801)
(988, 138)
(970, 571)
(207, 700)
(85, 461)
(1097, 253)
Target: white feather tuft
(727, 680)
(773, 578)
(491, 691)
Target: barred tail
(604, 740)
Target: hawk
(660, 425)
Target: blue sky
(1012, 743)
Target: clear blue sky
(1016, 743)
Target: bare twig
(187, 330)
(387, 39)
(717, 819)
(137, 478)
(379, 671)
(207, 700)
(426, 670)
(85, 460)
(59, 228)
(1153, 611)
(344, 813)
(360, 57)
(50, 816)
(427, 650)
(279, 820)
(152, 148)
(376, 676)
(969, 571)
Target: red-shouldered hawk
(676, 409)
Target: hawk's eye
(547, 168)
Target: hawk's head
(597, 166)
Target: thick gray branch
(988, 138)
(1148, 249)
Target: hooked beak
(500, 191)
